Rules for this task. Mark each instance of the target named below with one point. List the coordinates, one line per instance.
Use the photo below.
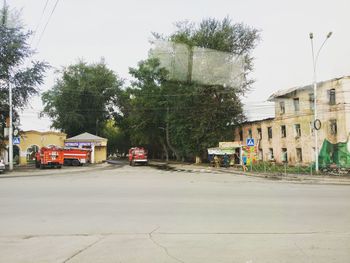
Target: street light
(314, 63)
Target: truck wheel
(41, 166)
(75, 163)
(67, 162)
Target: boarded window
(250, 135)
(297, 130)
(284, 155)
(296, 104)
(269, 132)
(259, 133)
(333, 127)
(271, 156)
(299, 155)
(331, 96)
(312, 101)
(283, 131)
(282, 107)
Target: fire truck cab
(137, 155)
(49, 157)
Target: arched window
(31, 151)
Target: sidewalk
(298, 178)
(30, 170)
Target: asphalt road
(115, 213)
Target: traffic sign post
(250, 142)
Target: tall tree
(83, 98)
(16, 69)
(195, 116)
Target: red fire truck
(49, 157)
(137, 155)
(76, 156)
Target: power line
(48, 20)
(41, 17)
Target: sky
(119, 32)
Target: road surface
(116, 213)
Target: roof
(281, 93)
(43, 133)
(85, 137)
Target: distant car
(2, 166)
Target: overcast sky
(120, 31)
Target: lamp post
(314, 63)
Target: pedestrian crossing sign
(16, 140)
(250, 142)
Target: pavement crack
(162, 247)
(83, 249)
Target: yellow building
(98, 145)
(31, 142)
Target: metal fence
(284, 169)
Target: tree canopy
(82, 99)
(16, 68)
(185, 118)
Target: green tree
(194, 116)
(83, 98)
(16, 67)
(141, 105)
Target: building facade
(29, 144)
(96, 144)
(290, 135)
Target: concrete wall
(304, 117)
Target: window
(331, 96)
(299, 155)
(297, 130)
(241, 135)
(259, 133)
(333, 127)
(250, 135)
(296, 104)
(271, 156)
(269, 132)
(284, 155)
(282, 107)
(311, 101)
(283, 131)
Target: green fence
(284, 169)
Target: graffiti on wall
(335, 153)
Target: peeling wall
(340, 112)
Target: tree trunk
(167, 138)
(165, 149)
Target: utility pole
(314, 63)
(10, 128)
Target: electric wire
(39, 22)
(47, 22)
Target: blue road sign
(16, 140)
(250, 142)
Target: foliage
(14, 54)
(187, 117)
(117, 140)
(83, 99)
